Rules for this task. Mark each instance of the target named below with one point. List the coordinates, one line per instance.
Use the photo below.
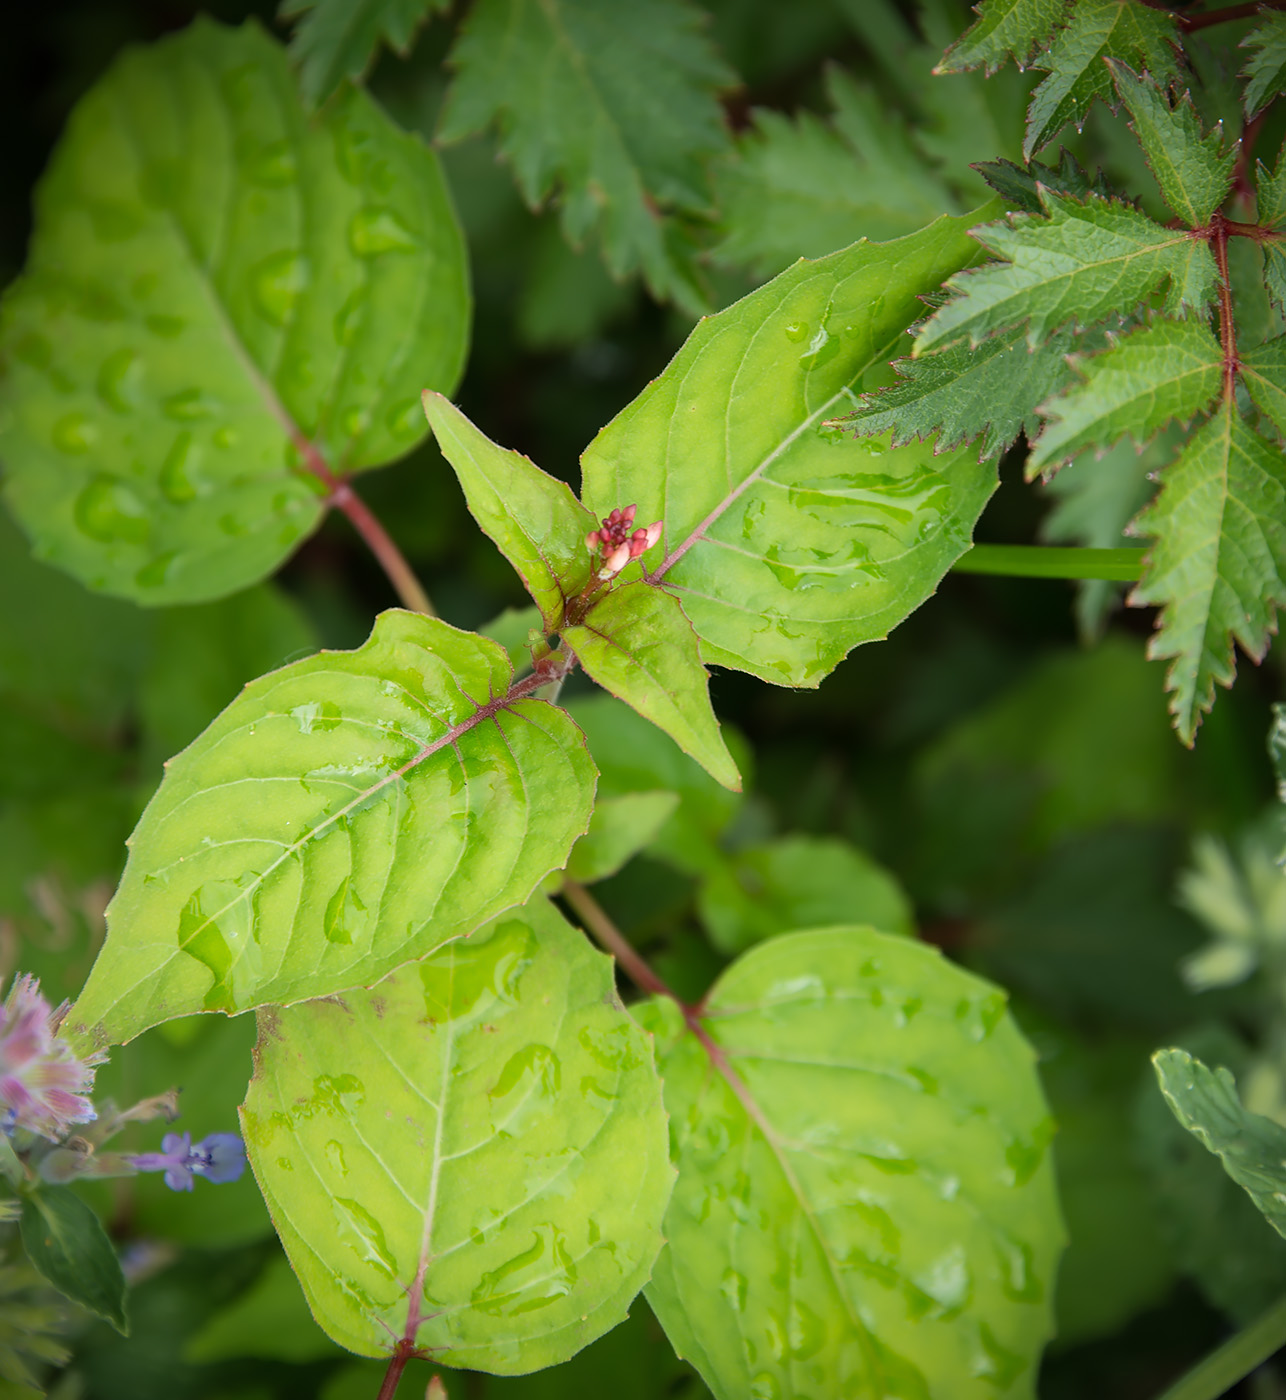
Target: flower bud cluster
(617, 542)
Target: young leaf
(1194, 171)
(1218, 567)
(472, 1155)
(1083, 263)
(338, 39)
(619, 829)
(1150, 377)
(69, 1247)
(342, 816)
(211, 277)
(1265, 69)
(1004, 29)
(612, 106)
(1251, 1148)
(859, 1101)
(789, 546)
(1020, 184)
(636, 643)
(1097, 29)
(534, 518)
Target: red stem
(1189, 24)
(1218, 239)
(402, 1353)
(594, 917)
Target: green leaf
(1265, 70)
(787, 545)
(865, 1202)
(338, 39)
(612, 107)
(1004, 29)
(1252, 1148)
(534, 519)
(1150, 377)
(636, 643)
(69, 1248)
(211, 277)
(798, 882)
(269, 1321)
(343, 815)
(619, 829)
(1263, 371)
(1083, 263)
(483, 1131)
(1218, 567)
(962, 392)
(1097, 29)
(1270, 192)
(1194, 171)
(1020, 184)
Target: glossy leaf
(534, 519)
(788, 546)
(1218, 567)
(865, 1203)
(1265, 69)
(1004, 29)
(483, 1132)
(1083, 263)
(338, 39)
(211, 280)
(1150, 377)
(68, 1246)
(342, 816)
(637, 644)
(619, 829)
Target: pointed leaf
(1020, 184)
(1252, 1148)
(69, 1247)
(1004, 29)
(211, 277)
(1218, 567)
(472, 1155)
(865, 1202)
(636, 643)
(1270, 200)
(1150, 377)
(342, 816)
(534, 518)
(1265, 69)
(1194, 171)
(787, 545)
(619, 829)
(338, 39)
(1083, 263)
(1263, 371)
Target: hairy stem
(1218, 240)
(402, 1353)
(1052, 561)
(1217, 1373)
(595, 918)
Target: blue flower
(219, 1157)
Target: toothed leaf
(338, 39)
(1004, 29)
(1265, 69)
(1263, 371)
(1020, 184)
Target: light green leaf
(534, 519)
(472, 1155)
(865, 1203)
(343, 815)
(338, 39)
(1265, 70)
(212, 279)
(1097, 29)
(69, 1248)
(1084, 263)
(269, 1321)
(1150, 377)
(1218, 567)
(619, 829)
(613, 107)
(637, 644)
(788, 545)
(1004, 29)
(1193, 170)
(798, 882)
(1263, 371)
(1251, 1148)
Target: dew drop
(277, 283)
(796, 330)
(733, 1286)
(533, 1279)
(364, 1235)
(354, 421)
(230, 525)
(74, 433)
(764, 1386)
(119, 377)
(225, 437)
(108, 510)
(154, 574)
(191, 405)
(175, 481)
(348, 318)
(335, 1156)
(167, 327)
(273, 164)
(372, 231)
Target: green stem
(1052, 561)
(1237, 1358)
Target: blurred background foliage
(999, 773)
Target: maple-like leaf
(1265, 70)
(611, 107)
(1020, 184)
(338, 39)
(1217, 568)
(1004, 29)
(1270, 200)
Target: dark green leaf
(338, 39)
(68, 1246)
(1265, 69)
(1019, 184)
(1004, 29)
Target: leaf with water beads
(342, 816)
(865, 1202)
(217, 281)
(471, 1155)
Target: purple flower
(219, 1157)
(44, 1085)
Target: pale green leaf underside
(876, 1214)
(1265, 69)
(1153, 375)
(1251, 1148)
(214, 279)
(619, 829)
(534, 519)
(342, 816)
(789, 545)
(1218, 566)
(1004, 29)
(637, 644)
(480, 1136)
(338, 39)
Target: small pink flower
(44, 1085)
(620, 542)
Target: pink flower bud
(627, 516)
(592, 540)
(615, 561)
(654, 533)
